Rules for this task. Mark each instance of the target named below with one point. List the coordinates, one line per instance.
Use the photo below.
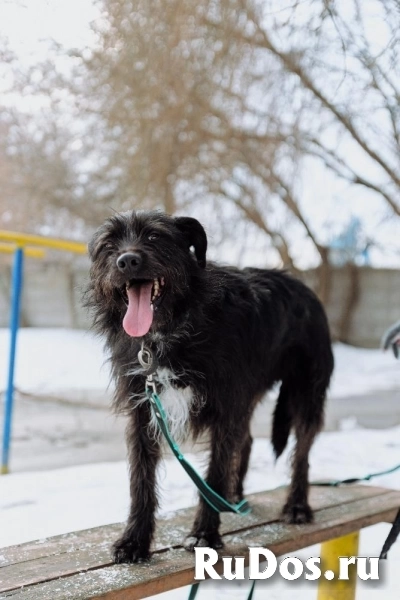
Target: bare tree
(39, 190)
(221, 105)
(177, 100)
(343, 58)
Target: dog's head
(143, 267)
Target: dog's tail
(282, 422)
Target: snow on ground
(56, 361)
(35, 505)
(362, 370)
(43, 503)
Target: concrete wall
(376, 308)
(52, 298)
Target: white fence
(52, 296)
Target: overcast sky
(28, 24)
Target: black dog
(222, 337)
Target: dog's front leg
(222, 476)
(144, 453)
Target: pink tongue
(139, 316)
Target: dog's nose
(129, 261)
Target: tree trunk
(351, 301)
(324, 276)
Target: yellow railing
(26, 239)
(6, 248)
(31, 245)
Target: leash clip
(151, 384)
(149, 363)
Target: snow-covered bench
(77, 566)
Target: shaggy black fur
(230, 335)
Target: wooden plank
(68, 542)
(175, 568)
(89, 550)
(174, 526)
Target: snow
(55, 361)
(80, 364)
(362, 370)
(44, 503)
(36, 505)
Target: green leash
(193, 591)
(213, 499)
(217, 502)
(336, 483)
(395, 530)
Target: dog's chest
(177, 402)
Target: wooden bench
(77, 566)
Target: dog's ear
(96, 241)
(195, 236)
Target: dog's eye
(108, 246)
(153, 236)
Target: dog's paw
(201, 539)
(297, 514)
(126, 551)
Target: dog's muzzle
(128, 263)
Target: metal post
(14, 324)
(336, 589)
